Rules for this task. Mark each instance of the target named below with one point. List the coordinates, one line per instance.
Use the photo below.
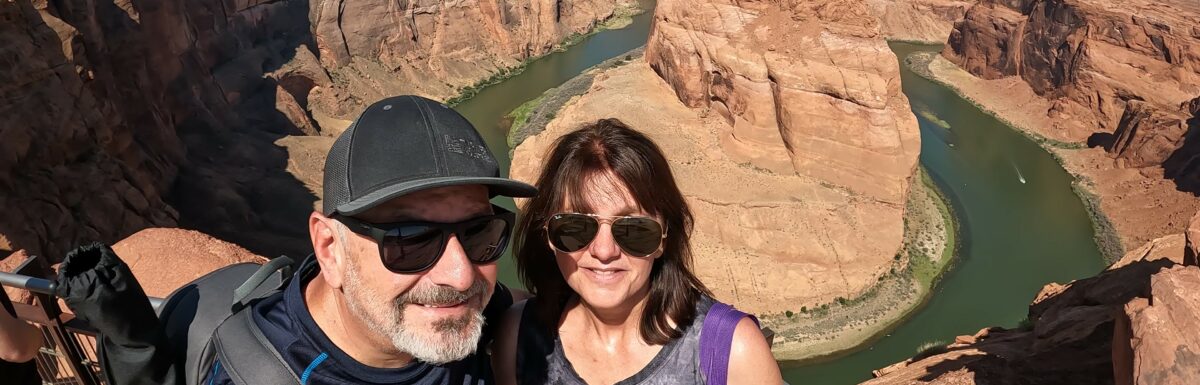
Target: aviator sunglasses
(636, 235)
(415, 246)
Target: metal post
(33, 267)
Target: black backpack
(208, 320)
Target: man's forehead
(442, 204)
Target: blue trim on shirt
(307, 371)
(212, 377)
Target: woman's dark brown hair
(610, 146)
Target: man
(403, 274)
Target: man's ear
(328, 248)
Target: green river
(1022, 226)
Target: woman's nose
(604, 247)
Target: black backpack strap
(253, 285)
(246, 354)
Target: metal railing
(68, 353)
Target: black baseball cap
(404, 144)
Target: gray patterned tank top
(541, 360)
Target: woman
(605, 248)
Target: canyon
(784, 122)
(123, 115)
(1112, 88)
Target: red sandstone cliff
(1123, 69)
(120, 115)
(1121, 78)
(927, 21)
(807, 88)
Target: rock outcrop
(434, 47)
(826, 107)
(124, 115)
(928, 21)
(1134, 323)
(165, 259)
(162, 259)
(1122, 75)
(827, 104)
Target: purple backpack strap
(716, 339)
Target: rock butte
(796, 158)
(121, 116)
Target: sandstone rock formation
(1134, 323)
(1119, 74)
(164, 259)
(918, 20)
(788, 134)
(124, 115)
(826, 104)
(433, 47)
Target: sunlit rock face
(1124, 75)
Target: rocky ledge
(1134, 323)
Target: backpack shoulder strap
(246, 354)
(716, 340)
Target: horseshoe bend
(901, 191)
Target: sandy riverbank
(1128, 206)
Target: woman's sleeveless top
(541, 360)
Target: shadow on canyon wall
(153, 114)
(1183, 166)
(1068, 338)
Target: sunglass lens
(638, 236)
(485, 240)
(571, 232)
(411, 248)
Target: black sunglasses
(638, 236)
(415, 246)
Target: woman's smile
(605, 275)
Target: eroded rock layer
(806, 87)
(1122, 75)
(927, 21)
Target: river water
(1022, 226)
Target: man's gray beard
(453, 339)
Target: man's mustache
(438, 295)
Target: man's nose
(604, 248)
(453, 269)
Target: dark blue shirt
(286, 322)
